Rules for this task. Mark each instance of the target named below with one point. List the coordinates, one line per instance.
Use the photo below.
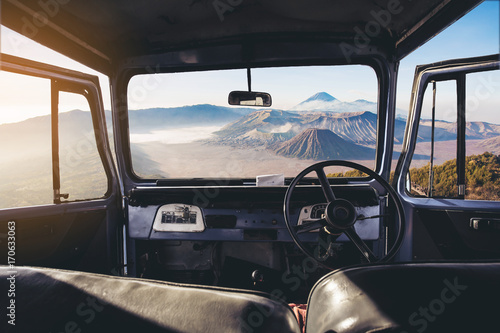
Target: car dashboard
(238, 213)
(236, 236)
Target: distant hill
(36, 131)
(145, 120)
(322, 144)
(445, 130)
(26, 168)
(491, 145)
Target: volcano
(322, 144)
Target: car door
(448, 173)
(60, 202)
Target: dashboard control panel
(180, 218)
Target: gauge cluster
(367, 229)
(317, 211)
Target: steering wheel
(340, 216)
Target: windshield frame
(383, 70)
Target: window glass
(483, 136)
(18, 45)
(181, 125)
(444, 176)
(26, 144)
(25, 141)
(482, 163)
(81, 170)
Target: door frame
(424, 74)
(64, 80)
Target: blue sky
(475, 34)
(288, 86)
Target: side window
(81, 171)
(25, 141)
(447, 164)
(483, 136)
(33, 171)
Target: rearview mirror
(249, 98)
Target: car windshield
(181, 125)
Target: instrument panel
(238, 213)
(368, 229)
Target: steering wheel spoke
(325, 184)
(362, 217)
(315, 225)
(360, 244)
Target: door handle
(478, 223)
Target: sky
(288, 86)
(475, 34)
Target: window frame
(383, 70)
(455, 69)
(64, 80)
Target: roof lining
(60, 30)
(94, 48)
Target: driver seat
(411, 297)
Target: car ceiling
(101, 33)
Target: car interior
(246, 166)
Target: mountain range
(269, 126)
(265, 127)
(313, 130)
(444, 130)
(247, 127)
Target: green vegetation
(348, 174)
(482, 178)
(355, 174)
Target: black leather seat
(50, 300)
(413, 297)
